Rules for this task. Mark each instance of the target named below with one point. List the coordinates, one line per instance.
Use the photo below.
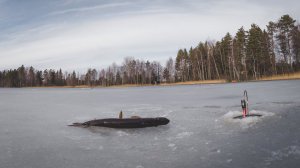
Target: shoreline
(292, 76)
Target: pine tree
(22, 76)
(286, 25)
(39, 78)
(31, 77)
(240, 53)
(179, 65)
(254, 50)
(296, 45)
(271, 29)
(226, 56)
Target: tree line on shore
(247, 55)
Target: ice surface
(201, 132)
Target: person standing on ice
(244, 103)
(244, 107)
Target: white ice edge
(248, 121)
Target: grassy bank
(290, 76)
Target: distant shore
(291, 76)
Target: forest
(246, 55)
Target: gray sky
(78, 34)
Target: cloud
(147, 30)
(84, 9)
(103, 41)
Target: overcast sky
(78, 34)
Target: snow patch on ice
(122, 133)
(145, 107)
(172, 146)
(248, 121)
(184, 135)
(283, 153)
(149, 110)
(229, 160)
(192, 149)
(215, 151)
(167, 113)
(181, 135)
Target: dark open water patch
(284, 102)
(250, 115)
(235, 106)
(191, 107)
(212, 106)
(228, 97)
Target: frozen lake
(202, 133)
